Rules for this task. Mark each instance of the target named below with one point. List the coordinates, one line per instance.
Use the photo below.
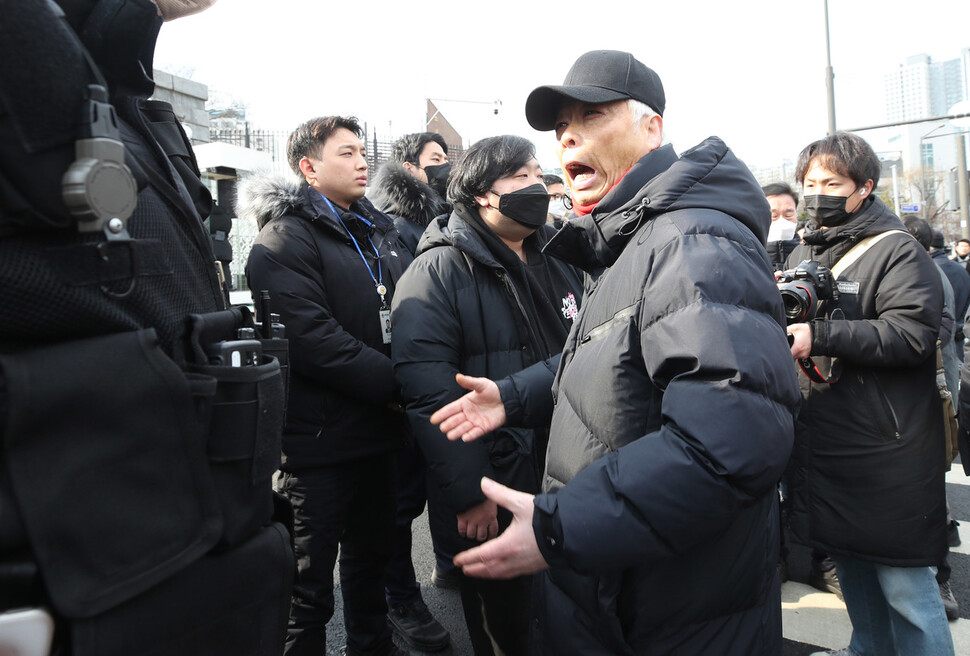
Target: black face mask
(527, 206)
(827, 211)
(438, 177)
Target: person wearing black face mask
(866, 478)
(480, 298)
(438, 176)
(410, 186)
(526, 206)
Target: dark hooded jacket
(412, 204)
(867, 470)
(673, 421)
(457, 309)
(960, 282)
(341, 383)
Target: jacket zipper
(887, 405)
(510, 288)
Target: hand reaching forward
(513, 553)
(478, 412)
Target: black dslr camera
(803, 287)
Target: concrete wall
(188, 98)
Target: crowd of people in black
(615, 392)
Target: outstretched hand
(513, 553)
(478, 412)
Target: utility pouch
(209, 328)
(106, 457)
(245, 411)
(222, 604)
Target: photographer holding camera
(867, 474)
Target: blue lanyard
(379, 280)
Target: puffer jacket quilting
(673, 420)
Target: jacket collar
(454, 230)
(320, 211)
(872, 219)
(597, 239)
(398, 193)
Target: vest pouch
(280, 349)
(106, 459)
(227, 603)
(244, 443)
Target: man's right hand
(478, 412)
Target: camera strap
(807, 364)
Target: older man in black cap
(656, 532)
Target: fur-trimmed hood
(398, 193)
(268, 196)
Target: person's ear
(306, 168)
(655, 130)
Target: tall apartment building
(921, 88)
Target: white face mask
(781, 230)
(558, 208)
(172, 9)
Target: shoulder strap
(807, 364)
(859, 249)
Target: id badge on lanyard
(386, 325)
(384, 314)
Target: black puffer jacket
(673, 421)
(411, 203)
(341, 379)
(456, 310)
(959, 280)
(778, 251)
(868, 464)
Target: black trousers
(401, 584)
(497, 614)
(349, 506)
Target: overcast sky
(749, 71)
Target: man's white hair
(640, 110)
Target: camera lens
(798, 302)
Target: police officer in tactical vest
(139, 416)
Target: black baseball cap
(598, 76)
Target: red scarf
(583, 210)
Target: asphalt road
(813, 620)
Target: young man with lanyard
(330, 260)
